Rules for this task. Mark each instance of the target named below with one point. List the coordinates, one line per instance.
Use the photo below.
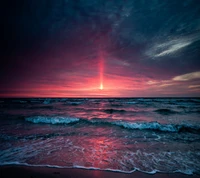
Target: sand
(44, 172)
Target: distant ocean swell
(155, 126)
(124, 100)
(161, 111)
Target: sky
(100, 48)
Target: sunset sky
(100, 48)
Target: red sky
(70, 49)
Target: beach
(100, 89)
(44, 172)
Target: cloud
(194, 86)
(119, 62)
(186, 77)
(171, 46)
(68, 47)
(150, 82)
(166, 84)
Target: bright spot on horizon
(101, 86)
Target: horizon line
(128, 97)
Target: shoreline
(13, 171)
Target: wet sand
(45, 172)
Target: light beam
(101, 69)
(101, 86)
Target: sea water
(117, 134)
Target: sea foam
(51, 120)
(155, 126)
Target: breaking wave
(155, 126)
(51, 120)
(13, 163)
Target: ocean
(117, 134)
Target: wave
(130, 102)
(19, 101)
(154, 171)
(74, 103)
(110, 111)
(40, 107)
(170, 112)
(51, 120)
(116, 105)
(47, 101)
(165, 111)
(154, 126)
(187, 111)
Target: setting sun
(101, 86)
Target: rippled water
(146, 134)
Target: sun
(101, 86)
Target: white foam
(124, 124)
(154, 171)
(52, 120)
(150, 125)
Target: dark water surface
(146, 134)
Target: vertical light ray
(101, 86)
(101, 69)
